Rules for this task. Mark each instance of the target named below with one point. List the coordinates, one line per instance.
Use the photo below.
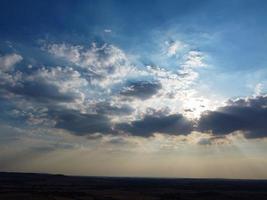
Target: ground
(27, 186)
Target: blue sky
(232, 33)
(137, 76)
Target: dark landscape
(30, 186)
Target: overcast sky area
(134, 88)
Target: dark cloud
(171, 124)
(81, 124)
(106, 108)
(42, 91)
(141, 89)
(247, 115)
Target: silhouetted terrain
(27, 186)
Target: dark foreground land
(25, 186)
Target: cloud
(194, 59)
(56, 84)
(109, 73)
(71, 53)
(107, 109)
(9, 77)
(101, 93)
(42, 91)
(81, 123)
(173, 47)
(171, 124)
(141, 89)
(102, 62)
(107, 30)
(7, 62)
(31, 95)
(108, 70)
(246, 115)
(208, 139)
(258, 89)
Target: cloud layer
(99, 90)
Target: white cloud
(258, 89)
(71, 53)
(173, 47)
(194, 59)
(7, 62)
(107, 30)
(98, 59)
(105, 64)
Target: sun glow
(194, 107)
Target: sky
(134, 88)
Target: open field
(26, 186)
